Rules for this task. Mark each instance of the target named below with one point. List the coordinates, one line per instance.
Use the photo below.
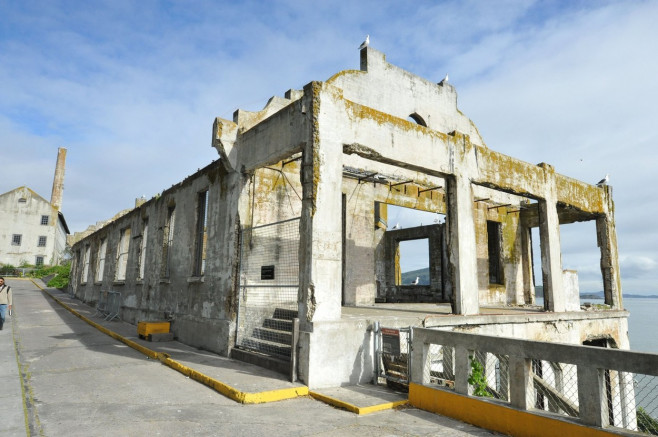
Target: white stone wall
(24, 218)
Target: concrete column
(320, 252)
(461, 245)
(462, 370)
(551, 254)
(420, 364)
(526, 265)
(591, 395)
(606, 234)
(520, 381)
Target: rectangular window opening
(413, 262)
(85, 265)
(167, 240)
(39, 261)
(122, 254)
(142, 249)
(201, 234)
(42, 241)
(16, 239)
(494, 251)
(100, 263)
(45, 219)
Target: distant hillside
(423, 274)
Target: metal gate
(269, 283)
(393, 356)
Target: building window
(85, 265)
(122, 254)
(45, 219)
(495, 258)
(167, 240)
(22, 200)
(201, 233)
(16, 239)
(39, 261)
(42, 241)
(142, 249)
(100, 261)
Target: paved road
(78, 381)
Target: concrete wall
(24, 218)
(202, 308)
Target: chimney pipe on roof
(58, 181)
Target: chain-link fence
(554, 387)
(632, 401)
(269, 277)
(489, 375)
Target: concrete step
(278, 324)
(269, 362)
(276, 335)
(279, 350)
(284, 313)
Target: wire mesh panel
(632, 401)
(441, 366)
(269, 277)
(554, 387)
(489, 375)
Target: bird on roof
(444, 80)
(365, 43)
(416, 280)
(397, 226)
(603, 181)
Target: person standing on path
(5, 300)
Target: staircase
(269, 345)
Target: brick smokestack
(58, 181)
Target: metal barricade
(109, 304)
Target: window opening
(201, 234)
(22, 200)
(414, 262)
(16, 239)
(100, 266)
(39, 261)
(417, 119)
(168, 237)
(85, 265)
(45, 219)
(142, 249)
(42, 241)
(494, 251)
(122, 254)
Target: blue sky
(131, 88)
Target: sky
(131, 89)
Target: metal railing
(592, 385)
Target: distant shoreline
(625, 296)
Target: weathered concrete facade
(328, 159)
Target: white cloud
(132, 89)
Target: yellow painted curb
(220, 387)
(496, 417)
(353, 408)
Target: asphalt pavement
(62, 376)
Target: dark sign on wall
(391, 341)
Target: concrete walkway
(64, 376)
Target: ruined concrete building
(33, 230)
(280, 252)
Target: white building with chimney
(32, 229)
